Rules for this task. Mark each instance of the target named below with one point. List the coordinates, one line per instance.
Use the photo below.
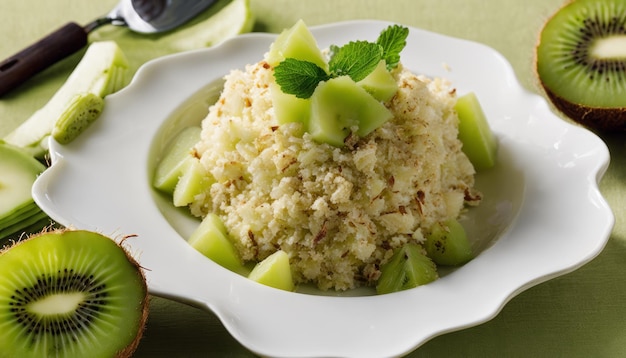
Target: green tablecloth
(582, 314)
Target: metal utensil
(143, 16)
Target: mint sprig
(392, 41)
(356, 59)
(299, 77)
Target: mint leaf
(355, 59)
(392, 40)
(298, 77)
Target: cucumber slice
(340, 104)
(296, 42)
(380, 83)
(211, 240)
(18, 171)
(25, 223)
(479, 143)
(98, 73)
(19, 214)
(176, 157)
(274, 271)
(81, 111)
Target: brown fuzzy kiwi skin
(603, 119)
(128, 351)
(145, 303)
(598, 118)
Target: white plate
(543, 215)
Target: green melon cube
(211, 239)
(274, 271)
(479, 142)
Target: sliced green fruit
(340, 104)
(380, 83)
(193, 181)
(296, 42)
(289, 108)
(70, 294)
(447, 244)
(214, 26)
(26, 222)
(18, 171)
(23, 211)
(409, 267)
(175, 158)
(479, 142)
(98, 73)
(211, 239)
(580, 61)
(81, 111)
(274, 271)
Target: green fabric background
(581, 314)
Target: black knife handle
(63, 42)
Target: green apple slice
(479, 143)
(96, 73)
(296, 42)
(274, 271)
(340, 104)
(176, 157)
(380, 83)
(211, 239)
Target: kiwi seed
(581, 62)
(70, 294)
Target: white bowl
(542, 216)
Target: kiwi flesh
(581, 62)
(70, 293)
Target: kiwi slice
(409, 267)
(70, 294)
(581, 62)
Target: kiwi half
(70, 294)
(581, 62)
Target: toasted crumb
(337, 212)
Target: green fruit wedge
(409, 267)
(380, 83)
(18, 171)
(175, 158)
(296, 42)
(340, 104)
(98, 73)
(289, 108)
(479, 143)
(211, 239)
(193, 181)
(447, 244)
(274, 271)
